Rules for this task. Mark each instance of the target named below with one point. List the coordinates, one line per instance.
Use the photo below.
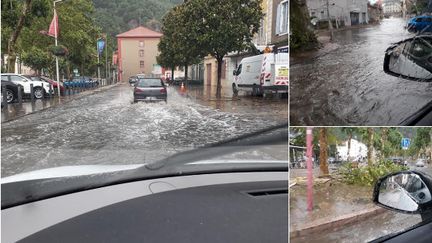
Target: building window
(141, 53)
(141, 64)
(282, 18)
(141, 44)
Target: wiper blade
(267, 136)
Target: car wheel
(38, 93)
(10, 97)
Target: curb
(326, 223)
(78, 96)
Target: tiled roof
(140, 32)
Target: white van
(262, 74)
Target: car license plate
(150, 98)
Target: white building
(358, 150)
(390, 7)
(350, 12)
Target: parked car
(397, 160)
(420, 24)
(133, 80)
(148, 89)
(420, 162)
(11, 89)
(48, 80)
(39, 88)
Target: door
(209, 74)
(19, 80)
(354, 18)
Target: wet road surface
(346, 85)
(106, 128)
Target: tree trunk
(14, 37)
(219, 76)
(323, 151)
(172, 73)
(384, 135)
(349, 146)
(370, 134)
(186, 75)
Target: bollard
(31, 93)
(20, 95)
(50, 91)
(4, 100)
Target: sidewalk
(16, 110)
(335, 204)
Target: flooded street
(107, 128)
(344, 83)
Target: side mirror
(235, 72)
(410, 59)
(405, 191)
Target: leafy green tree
(223, 26)
(422, 142)
(302, 37)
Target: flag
(53, 26)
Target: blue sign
(405, 143)
(100, 45)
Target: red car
(52, 82)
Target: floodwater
(344, 83)
(107, 128)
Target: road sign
(405, 143)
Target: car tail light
(163, 91)
(138, 90)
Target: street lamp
(56, 57)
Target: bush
(368, 175)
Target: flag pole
(56, 57)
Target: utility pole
(329, 22)
(56, 57)
(106, 56)
(98, 55)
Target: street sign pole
(98, 70)
(56, 57)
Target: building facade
(392, 7)
(350, 12)
(137, 51)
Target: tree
(349, 131)
(302, 37)
(15, 34)
(422, 141)
(323, 143)
(370, 136)
(222, 26)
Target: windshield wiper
(268, 136)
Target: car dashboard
(217, 207)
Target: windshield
(338, 199)
(149, 83)
(108, 121)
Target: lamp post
(56, 57)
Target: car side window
(16, 78)
(419, 20)
(4, 78)
(239, 69)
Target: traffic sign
(405, 143)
